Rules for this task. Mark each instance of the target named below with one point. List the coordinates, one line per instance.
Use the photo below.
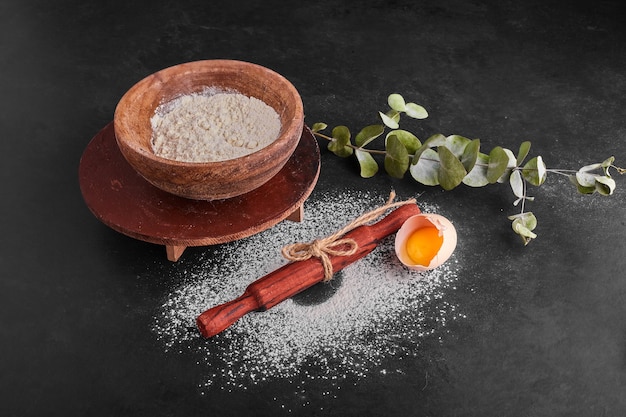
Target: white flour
(372, 310)
(212, 127)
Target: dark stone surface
(545, 333)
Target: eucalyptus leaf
(470, 154)
(341, 151)
(517, 184)
(585, 179)
(431, 142)
(456, 144)
(390, 122)
(605, 185)
(397, 158)
(341, 138)
(607, 164)
(408, 139)
(528, 219)
(524, 224)
(416, 111)
(581, 189)
(524, 149)
(435, 140)
(451, 170)
(317, 127)
(477, 177)
(509, 168)
(535, 171)
(396, 102)
(341, 134)
(368, 165)
(524, 232)
(498, 163)
(426, 171)
(368, 134)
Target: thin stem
(563, 172)
(349, 145)
(523, 196)
(619, 170)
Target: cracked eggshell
(413, 223)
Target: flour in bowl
(213, 127)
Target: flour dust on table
(370, 311)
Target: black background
(545, 333)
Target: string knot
(336, 244)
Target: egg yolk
(423, 244)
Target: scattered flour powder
(209, 127)
(373, 309)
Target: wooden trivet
(119, 197)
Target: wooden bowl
(207, 180)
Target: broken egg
(425, 241)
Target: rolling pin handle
(217, 319)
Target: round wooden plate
(119, 197)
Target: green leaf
(528, 219)
(416, 111)
(368, 134)
(581, 189)
(457, 144)
(426, 171)
(368, 165)
(535, 171)
(498, 163)
(477, 177)
(585, 179)
(341, 134)
(509, 168)
(451, 170)
(341, 138)
(605, 185)
(390, 119)
(517, 185)
(607, 164)
(524, 224)
(317, 127)
(435, 140)
(397, 158)
(408, 139)
(470, 154)
(524, 149)
(396, 102)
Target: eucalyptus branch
(449, 161)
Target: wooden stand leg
(174, 252)
(297, 215)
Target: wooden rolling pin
(295, 277)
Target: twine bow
(336, 244)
